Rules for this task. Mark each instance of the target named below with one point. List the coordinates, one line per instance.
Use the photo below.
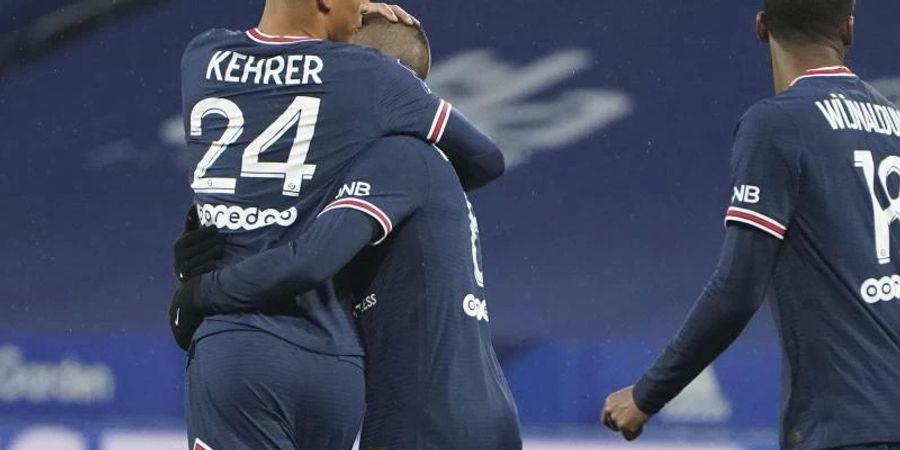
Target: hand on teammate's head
(393, 13)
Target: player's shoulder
(402, 160)
(364, 54)
(399, 155)
(768, 109)
(768, 116)
(876, 95)
(410, 162)
(399, 150)
(376, 65)
(361, 57)
(204, 43)
(769, 129)
(799, 99)
(213, 37)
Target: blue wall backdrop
(616, 120)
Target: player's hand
(184, 319)
(621, 414)
(393, 13)
(198, 251)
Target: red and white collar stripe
(836, 71)
(755, 219)
(263, 38)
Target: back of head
(407, 43)
(807, 21)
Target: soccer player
(433, 379)
(272, 116)
(811, 218)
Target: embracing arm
(405, 105)
(318, 254)
(476, 159)
(396, 177)
(397, 180)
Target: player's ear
(325, 5)
(848, 30)
(762, 28)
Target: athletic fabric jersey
(270, 121)
(433, 379)
(819, 166)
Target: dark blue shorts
(249, 390)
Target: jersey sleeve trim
(439, 124)
(365, 207)
(755, 219)
(200, 445)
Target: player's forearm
(317, 255)
(474, 155)
(733, 295)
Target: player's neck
(791, 61)
(279, 19)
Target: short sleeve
(405, 105)
(765, 170)
(387, 181)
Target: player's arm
(731, 298)
(251, 284)
(765, 164)
(405, 105)
(328, 245)
(390, 185)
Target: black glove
(197, 252)
(184, 317)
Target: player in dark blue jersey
(273, 115)
(812, 223)
(433, 380)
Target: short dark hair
(407, 43)
(807, 21)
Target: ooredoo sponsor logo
(237, 218)
(882, 289)
(476, 308)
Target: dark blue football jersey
(819, 167)
(432, 378)
(270, 121)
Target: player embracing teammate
(288, 125)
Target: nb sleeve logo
(746, 193)
(355, 189)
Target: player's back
(836, 283)
(270, 121)
(433, 379)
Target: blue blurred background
(615, 118)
